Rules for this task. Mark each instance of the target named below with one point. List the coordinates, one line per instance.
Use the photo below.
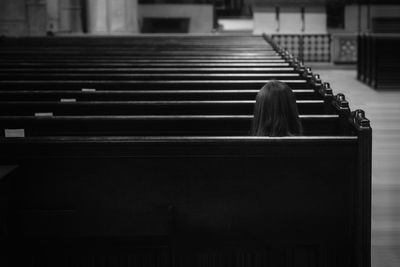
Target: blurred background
(314, 30)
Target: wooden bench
(176, 41)
(154, 125)
(148, 76)
(128, 64)
(142, 95)
(194, 107)
(204, 117)
(185, 200)
(113, 70)
(178, 190)
(376, 66)
(200, 84)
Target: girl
(275, 111)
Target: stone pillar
(13, 19)
(112, 16)
(64, 16)
(36, 17)
(53, 16)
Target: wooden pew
(182, 107)
(181, 190)
(157, 59)
(154, 125)
(378, 58)
(176, 41)
(142, 95)
(147, 76)
(112, 70)
(183, 201)
(200, 84)
(167, 117)
(127, 64)
(138, 54)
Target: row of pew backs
(183, 200)
(378, 57)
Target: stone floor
(383, 109)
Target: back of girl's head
(275, 111)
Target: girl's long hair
(275, 111)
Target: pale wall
(201, 16)
(290, 21)
(315, 20)
(265, 20)
(36, 17)
(113, 16)
(236, 24)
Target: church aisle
(383, 109)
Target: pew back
(197, 195)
